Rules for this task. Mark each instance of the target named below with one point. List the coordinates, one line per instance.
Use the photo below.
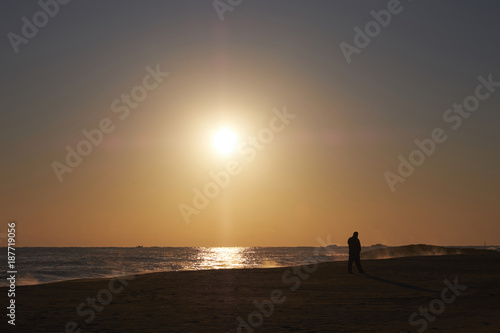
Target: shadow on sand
(399, 284)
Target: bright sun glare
(225, 140)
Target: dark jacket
(354, 246)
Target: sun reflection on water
(223, 257)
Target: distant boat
(139, 246)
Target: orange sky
(323, 174)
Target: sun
(225, 140)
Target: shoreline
(385, 252)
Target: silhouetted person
(354, 251)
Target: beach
(218, 166)
(314, 298)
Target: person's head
(355, 234)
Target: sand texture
(325, 299)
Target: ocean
(37, 265)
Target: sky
(327, 104)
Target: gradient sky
(322, 175)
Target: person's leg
(358, 264)
(349, 265)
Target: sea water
(37, 265)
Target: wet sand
(322, 298)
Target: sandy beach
(316, 298)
